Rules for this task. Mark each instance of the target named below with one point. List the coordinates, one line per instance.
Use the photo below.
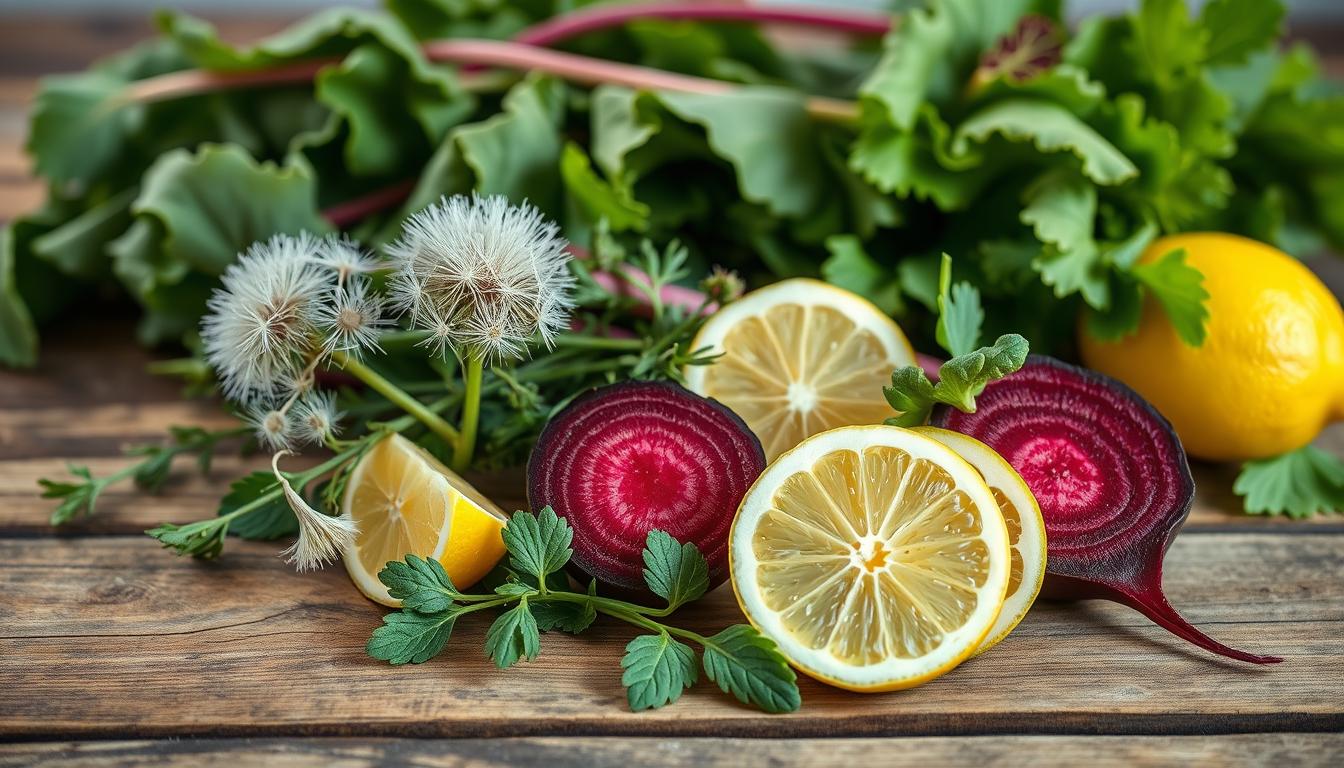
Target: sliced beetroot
(630, 458)
(1111, 478)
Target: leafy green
(538, 544)
(960, 381)
(675, 572)
(410, 637)
(1180, 290)
(513, 636)
(1299, 484)
(851, 268)
(657, 669)
(959, 313)
(747, 664)
(420, 584)
(267, 522)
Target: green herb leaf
(674, 571)
(657, 669)
(566, 616)
(1238, 28)
(599, 198)
(851, 268)
(270, 521)
(514, 589)
(960, 380)
(411, 637)
(959, 313)
(203, 539)
(77, 498)
(1299, 484)
(1179, 288)
(747, 664)
(538, 544)
(1062, 209)
(420, 584)
(514, 635)
(911, 394)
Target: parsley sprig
(79, 497)
(1298, 484)
(657, 666)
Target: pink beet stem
(1147, 598)
(573, 24)
(688, 299)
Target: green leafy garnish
(960, 381)
(1298, 484)
(959, 313)
(657, 666)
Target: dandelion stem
(471, 413)
(599, 342)
(398, 396)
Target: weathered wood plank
(109, 637)
(1285, 750)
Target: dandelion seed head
(351, 318)
(316, 417)
(274, 427)
(344, 258)
(483, 275)
(258, 329)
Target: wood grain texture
(1288, 750)
(108, 636)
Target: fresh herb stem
(397, 395)
(471, 413)
(599, 342)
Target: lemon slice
(800, 357)
(875, 557)
(1026, 527)
(406, 502)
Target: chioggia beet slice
(1111, 478)
(633, 457)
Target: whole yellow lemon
(1270, 373)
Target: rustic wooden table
(114, 651)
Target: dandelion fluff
(258, 328)
(344, 258)
(483, 276)
(316, 417)
(322, 538)
(273, 427)
(351, 318)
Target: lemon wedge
(800, 357)
(874, 557)
(406, 502)
(1026, 527)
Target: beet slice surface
(629, 458)
(1110, 476)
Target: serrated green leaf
(963, 378)
(959, 313)
(514, 635)
(538, 544)
(411, 637)
(270, 521)
(421, 584)
(851, 268)
(1061, 210)
(1299, 484)
(1238, 28)
(747, 664)
(674, 571)
(516, 152)
(911, 395)
(657, 669)
(1050, 128)
(1179, 288)
(598, 197)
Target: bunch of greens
(1046, 161)
(534, 598)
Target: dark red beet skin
(630, 458)
(1110, 476)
